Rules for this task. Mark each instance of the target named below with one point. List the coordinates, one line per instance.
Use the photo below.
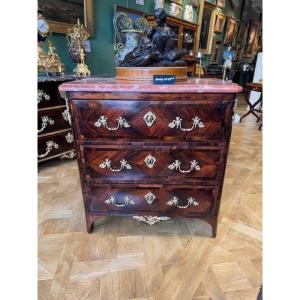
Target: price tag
(164, 79)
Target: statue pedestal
(146, 73)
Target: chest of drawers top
(109, 85)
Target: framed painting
(62, 14)
(221, 3)
(252, 39)
(231, 29)
(220, 22)
(215, 52)
(207, 28)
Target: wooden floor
(126, 259)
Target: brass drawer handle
(177, 123)
(191, 202)
(50, 146)
(42, 96)
(126, 201)
(69, 155)
(102, 121)
(45, 121)
(107, 164)
(177, 166)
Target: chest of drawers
(151, 152)
(55, 138)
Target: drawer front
(52, 120)
(174, 120)
(159, 164)
(48, 95)
(55, 144)
(169, 200)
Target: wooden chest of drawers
(55, 138)
(151, 152)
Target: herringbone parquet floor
(125, 259)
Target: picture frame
(221, 3)
(59, 21)
(231, 30)
(252, 39)
(220, 22)
(215, 52)
(206, 28)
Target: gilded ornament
(151, 220)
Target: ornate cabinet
(55, 137)
(151, 152)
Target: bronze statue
(157, 47)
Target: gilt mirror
(62, 14)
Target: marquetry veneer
(151, 152)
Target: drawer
(48, 95)
(54, 144)
(168, 200)
(157, 164)
(113, 119)
(52, 120)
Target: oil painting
(61, 14)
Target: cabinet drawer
(169, 200)
(48, 95)
(54, 144)
(174, 120)
(159, 164)
(52, 120)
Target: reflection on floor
(126, 259)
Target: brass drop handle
(176, 165)
(45, 121)
(50, 146)
(121, 122)
(42, 96)
(126, 201)
(191, 202)
(197, 122)
(123, 165)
